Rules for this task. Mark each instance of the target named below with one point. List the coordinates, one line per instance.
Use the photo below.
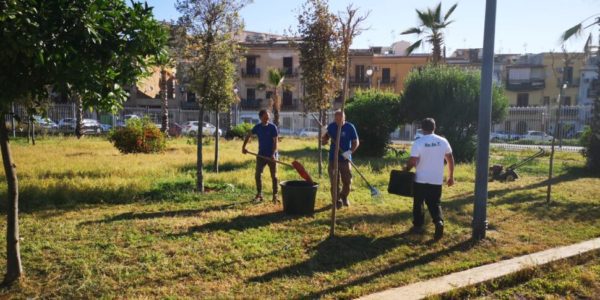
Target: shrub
(138, 136)
(239, 131)
(374, 113)
(451, 96)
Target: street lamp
(369, 73)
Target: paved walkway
(484, 273)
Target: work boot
(258, 198)
(275, 198)
(346, 202)
(439, 230)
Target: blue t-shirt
(265, 134)
(349, 134)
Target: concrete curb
(447, 283)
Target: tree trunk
(14, 270)
(218, 121)
(32, 129)
(79, 117)
(199, 164)
(165, 102)
(276, 107)
(320, 145)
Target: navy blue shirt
(265, 134)
(349, 134)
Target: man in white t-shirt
(427, 155)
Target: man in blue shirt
(348, 144)
(267, 147)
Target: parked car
(537, 136)
(45, 124)
(503, 136)
(121, 123)
(67, 124)
(105, 127)
(91, 126)
(309, 132)
(191, 128)
(418, 134)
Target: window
(288, 65)
(385, 75)
(251, 94)
(546, 100)
(250, 64)
(269, 94)
(522, 99)
(566, 101)
(191, 97)
(359, 73)
(288, 98)
(593, 88)
(568, 75)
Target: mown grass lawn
(96, 223)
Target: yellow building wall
(551, 63)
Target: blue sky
(522, 25)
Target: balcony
(251, 73)
(525, 85)
(253, 104)
(359, 82)
(290, 73)
(290, 105)
(388, 81)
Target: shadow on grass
(341, 252)
(368, 253)
(242, 223)
(66, 196)
(166, 214)
(223, 167)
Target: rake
(295, 165)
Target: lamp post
(235, 107)
(485, 116)
(369, 74)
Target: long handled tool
(295, 164)
(374, 192)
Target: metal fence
(518, 123)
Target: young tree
(348, 26)
(431, 25)
(275, 82)
(318, 55)
(210, 50)
(593, 146)
(55, 44)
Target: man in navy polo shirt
(348, 144)
(267, 147)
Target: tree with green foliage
(431, 26)
(593, 145)
(275, 80)
(210, 50)
(93, 47)
(318, 57)
(451, 96)
(362, 107)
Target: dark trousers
(345, 178)
(260, 166)
(430, 194)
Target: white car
(67, 123)
(91, 126)
(309, 132)
(191, 128)
(418, 134)
(537, 136)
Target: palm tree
(164, 61)
(275, 81)
(431, 27)
(593, 147)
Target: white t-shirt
(431, 150)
